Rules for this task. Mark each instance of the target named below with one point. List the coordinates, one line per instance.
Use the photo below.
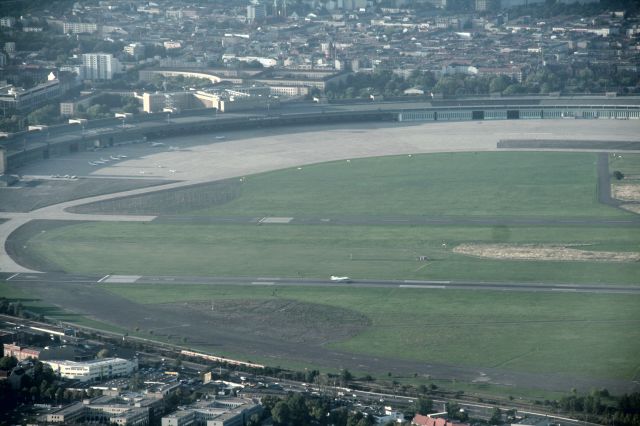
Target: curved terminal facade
(58, 140)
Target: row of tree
(37, 385)
(542, 81)
(297, 409)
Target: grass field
(500, 184)
(37, 306)
(577, 334)
(319, 251)
(497, 184)
(627, 163)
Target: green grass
(589, 335)
(37, 306)
(321, 250)
(500, 184)
(627, 163)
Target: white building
(7, 21)
(99, 66)
(93, 370)
(256, 12)
(134, 49)
(79, 28)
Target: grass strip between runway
(377, 252)
(590, 335)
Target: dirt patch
(626, 191)
(169, 201)
(545, 252)
(634, 208)
(279, 319)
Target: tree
(423, 406)
(254, 420)
(499, 83)
(8, 362)
(346, 376)
(45, 115)
(618, 175)
(280, 413)
(496, 416)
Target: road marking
(262, 283)
(13, 276)
(275, 219)
(422, 286)
(103, 278)
(564, 289)
(426, 282)
(128, 279)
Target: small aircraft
(122, 156)
(157, 143)
(91, 163)
(104, 160)
(174, 148)
(221, 137)
(98, 162)
(114, 158)
(340, 279)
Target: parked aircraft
(91, 163)
(157, 143)
(104, 160)
(220, 137)
(114, 158)
(340, 279)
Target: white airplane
(172, 171)
(340, 279)
(98, 161)
(220, 137)
(174, 148)
(104, 160)
(122, 156)
(157, 143)
(114, 158)
(91, 163)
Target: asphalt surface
(393, 220)
(57, 278)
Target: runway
(57, 278)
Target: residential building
(99, 66)
(134, 49)
(256, 12)
(19, 352)
(79, 28)
(12, 97)
(93, 370)
(7, 21)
